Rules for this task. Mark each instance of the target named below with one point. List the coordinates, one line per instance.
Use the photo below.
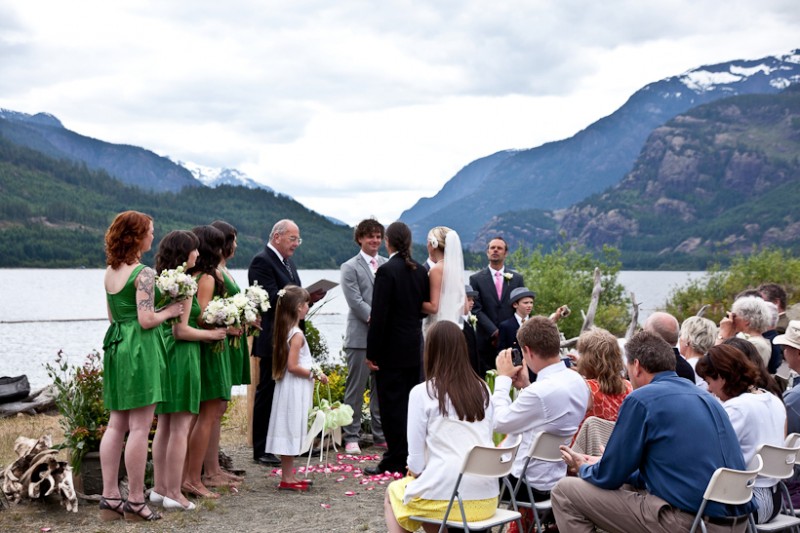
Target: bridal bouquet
(221, 312)
(175, 285)
(258, 303)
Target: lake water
(43, 311)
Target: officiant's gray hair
(281, 227)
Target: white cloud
(353, 107)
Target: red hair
(125, 236)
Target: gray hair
(753, 310)
(699, 333)
(281, 227)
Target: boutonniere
(472, 320)
(508, 276)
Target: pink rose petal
(325, 505)
(349, 493)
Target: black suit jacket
(682, 366)
(395, 328)
(489, 310)
(268, 270)
(508, 334)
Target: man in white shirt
(555, 403)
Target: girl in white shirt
(448, 414)
(757, 416)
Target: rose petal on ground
(325, 505)
(349, 493)
(340, 479)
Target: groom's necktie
(498, 284)
(288, 269)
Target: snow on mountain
(704, 79)
(214, 177)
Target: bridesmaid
(133, 361)
(177, 412)
(215, 368)
(215, 476)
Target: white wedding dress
(452, 295)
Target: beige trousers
(579, 507)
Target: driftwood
(634, 325)
(39, 401)
(702, 311)
(588, 319)
(38, 473)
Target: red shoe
(298, 487)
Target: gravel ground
(340, 501)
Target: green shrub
(566, 276)
(719, 287)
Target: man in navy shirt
(669, 439)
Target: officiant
(272, 269)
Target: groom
(494, 285)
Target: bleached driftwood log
(588, 316)
(38, 473)
(634, 325)
(39, 401)
(702, 311)
(588, 320)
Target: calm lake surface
(43, 311)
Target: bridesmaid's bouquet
(246, 314)
(175, 285)
(221, 312)
(258, 303)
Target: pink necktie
(498, 284)
(373, 264)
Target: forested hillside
(54, 213)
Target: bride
(446, 278)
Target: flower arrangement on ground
(80, 402)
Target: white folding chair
(544, 447)
(485, 461)
(728, 486)
(779, 464)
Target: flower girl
(294, 377)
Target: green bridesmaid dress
(183, 369)
(215, 371)
(240, 357)
(134, 371)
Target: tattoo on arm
(146, 284)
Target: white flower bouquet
(221, 312)
(175, 285)
(258, 303)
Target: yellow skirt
(474, 509)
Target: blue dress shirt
(669, 439)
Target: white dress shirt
(556, 403)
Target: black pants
(262, 406)
(394, 386)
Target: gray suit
(357, 281)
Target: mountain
(722, 178)
(558, 174)
(54, 213)
(130, 164)
(214, 177)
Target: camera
(516, 357)
(565, 312)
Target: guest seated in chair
(757, 416)
(649, 478)
(448, 415)
(555, 403)
(601, 364)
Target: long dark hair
(731, 364)
(765, 380)
(210, 249)
(449, 374)
(286, 315)
(174, 249)
(399, 237)
(230, 236)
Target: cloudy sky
(357, 107)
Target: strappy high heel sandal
(110, 511)
(133, 512)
